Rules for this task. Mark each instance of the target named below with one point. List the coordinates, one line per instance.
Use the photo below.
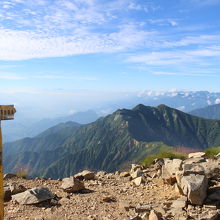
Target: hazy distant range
(23, 126)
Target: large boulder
(33, 196)
(72, 185)
(195, 188)
(85, 175)
(193, 169)
(212, 169)
(169, 170)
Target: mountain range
(183, 100)
(109, 143)
(23, 127)
(26, 126)
(212, 112)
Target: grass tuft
(163, 154)
(211, 152)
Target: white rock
(33, 196)
(72, 184)
(195, 188)
(139, 180)
(169, 170)
(154, 215)
(136, 173)
(197, 155)
(85, 174)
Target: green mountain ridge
(110, 143)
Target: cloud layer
(57, 28)
(36, 29)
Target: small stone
(155, 215)
(137, 173)
(213, 207)
(217, 156)
(15, 188)
(109, 199)
(72, 185)
(142, 208)
(101, 173)
(197, 154)
(134, 167)
(137, 217)
(213, 215)
(64, 201)
(124, 174)
(117, 173)
(85, 175)
(139, 180)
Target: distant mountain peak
(163, 106)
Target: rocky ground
(169, 189)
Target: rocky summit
(168, 189)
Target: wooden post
(6, 113)
(1, 179)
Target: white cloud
(163, 22)
(193, 40)
(217, 101)
(76, 78)
(67, 27)
(176, 57)
(46, 28)
(19, 45)
(209, 102)
(9, 76)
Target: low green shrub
(211, 152)
(21, 174)
(163, 154)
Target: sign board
(7, 112)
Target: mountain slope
(38, 152)
(111, 142)
(21, 127)
(212, 112)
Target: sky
(75, 54)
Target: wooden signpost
(6, 113)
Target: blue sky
(79, 53)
